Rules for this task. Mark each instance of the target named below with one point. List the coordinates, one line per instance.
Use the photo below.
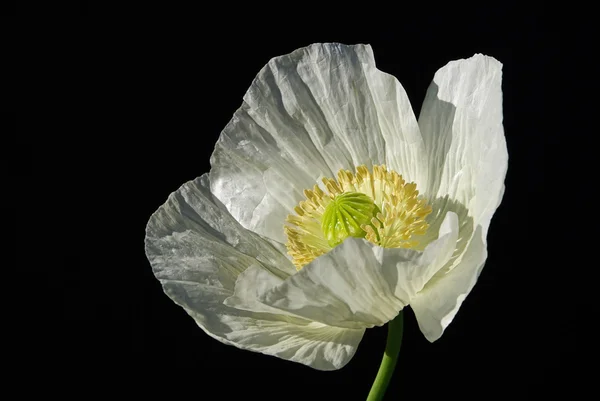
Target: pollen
(377, 205)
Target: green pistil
(345, 215)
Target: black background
(135, 108)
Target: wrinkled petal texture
(197, 251)
(307, 115)
(356, 285)
(461, 124)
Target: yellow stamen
(379, 206)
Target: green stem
(388, 363)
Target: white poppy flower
(329, 207)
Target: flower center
(379, 206)
(345, 215)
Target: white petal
(436, 305)
(358, 284)
(313, 344)
(411, 276)
(250, 284)
(461, 123)
(306, 115)
(197, 251)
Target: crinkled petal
(313, 344)
(358, 284)
(438, 302)
(306, 115)
(197, 251)
(461, 124)
(250, 284)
